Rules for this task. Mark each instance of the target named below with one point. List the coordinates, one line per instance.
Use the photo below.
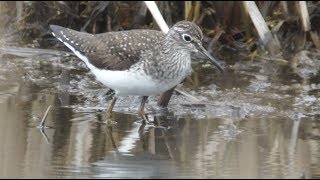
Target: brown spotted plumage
(112, 50)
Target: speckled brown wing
(120, 50)
(112, 50)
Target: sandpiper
(137, 62)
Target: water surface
(259, 120)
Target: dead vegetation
(294, 25)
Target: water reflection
(187, 147)
(180, 147)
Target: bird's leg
(141, 109)
(109, 111)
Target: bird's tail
(75, 39)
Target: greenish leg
(141, 109)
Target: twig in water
(42, 126)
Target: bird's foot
(145, 118)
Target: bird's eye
(186, 37)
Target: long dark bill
(211, 59)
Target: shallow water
(259, 120)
